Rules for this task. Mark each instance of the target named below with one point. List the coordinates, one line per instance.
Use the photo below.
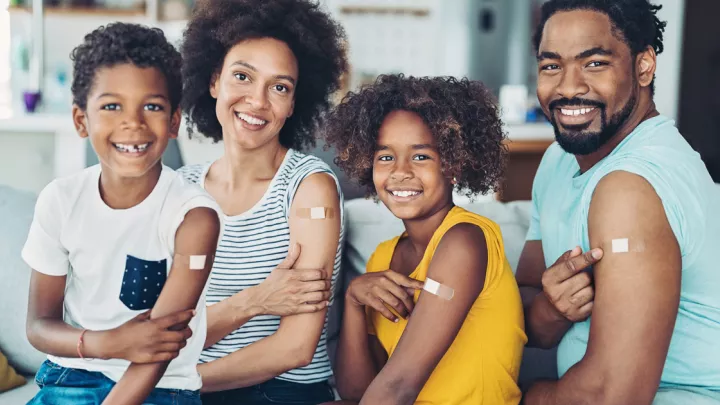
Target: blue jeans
(273, 392)
(71, 386)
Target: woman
(258, 75)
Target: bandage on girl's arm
(196, 236)
(435, 321)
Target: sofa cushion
(16, 212)
(370, 223)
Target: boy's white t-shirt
(116, 260)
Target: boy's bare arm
(196, 236)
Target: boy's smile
(128, 119)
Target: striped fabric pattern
(252, 245)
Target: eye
(421, 157)
(240, 76)
(385, 158)
(550, 67)
(153, 107)
(596, 64)
(280, 88)
(110, 107)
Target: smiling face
(587, 82)
(407, 171)
(128, 119)
(255, 91)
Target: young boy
(135, 239)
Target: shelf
(528, 146)
(415, 11)
(83, 10)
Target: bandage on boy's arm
(196, 236)
(460, 263)
(636, 292)
(293, 344)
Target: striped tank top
(252, 245)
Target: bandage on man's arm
(460, 264)
(196, 236)
(637, 290)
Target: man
(623, 185)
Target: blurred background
(487, 40)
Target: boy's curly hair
(461, 114)
(119, 43)
(314, 38)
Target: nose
(572, 84)
(257, 98)
(134, 120)
(401, 171)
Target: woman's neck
(421, 230)
(238, 166)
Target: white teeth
(579, 111)
(128, 148)
(250, 120)
(405, 193)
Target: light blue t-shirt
(656, 151)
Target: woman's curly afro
(314, 38)
(461, 114)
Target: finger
(563, 270)
(313, 286)
(309, 275)
(400, 293)
(380, 307)
(403, 280)
(583, 296)
(169, 347)
(291, 258)
(314, 297)
(585, 311)
(176, 320)
(164, 357)
(143, 316)
(311, 308)
(390, 299)
(575, 284)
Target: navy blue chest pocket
(142, 282)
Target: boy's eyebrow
(117, 95)
(598, 50)
(254, 69)
(422, 146)
(382, 147)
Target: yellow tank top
(482, 364)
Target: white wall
(667, 84)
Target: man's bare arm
(637, 293)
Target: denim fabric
(273, 392)
(71, 386)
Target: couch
(368, 224)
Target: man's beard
(576, 139)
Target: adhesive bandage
(620, 245)
(442, 291)
(193, 262)
(315, 213)
(197, 262)
(624, 245)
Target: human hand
(287, 291)
(568, 288)
(385, 287)
(145, 340)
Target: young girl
(412, 141)
(258, 75)
(121, 251)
